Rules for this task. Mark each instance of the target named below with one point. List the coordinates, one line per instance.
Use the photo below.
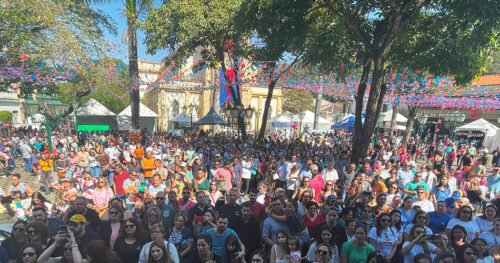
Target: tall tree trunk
(317, 108)
(393, 118)
(363, 133)
(216, 105)
(267, 104)
(133, 67)
(412, 114)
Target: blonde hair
(474, 184)
(106, 184)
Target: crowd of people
(213, 198)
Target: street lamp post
(45, 105)
(257, 118)
(191, 109)
(237, 112)
(422, 119)
(302, 114)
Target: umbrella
(212, 118)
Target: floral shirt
(181, 239)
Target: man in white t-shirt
(330, 174)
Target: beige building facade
(168, 99)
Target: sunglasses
(19, 229)
(29, 254)
(329, 184)
(113, 213)
(322, 252)
(470, 254)
(385, 220)
(160, 198)
(32, 232)
(130, 226)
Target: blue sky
(113, 9)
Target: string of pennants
(403, 87)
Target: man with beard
(89, 214)
(52, 224)
(258, 210)
(248, 228)
(219, 234)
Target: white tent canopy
(323, 124)
(399, 117)
(481, 125)
(280, 121)
(93, 108)
(143, 112)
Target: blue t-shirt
(219, 242)
(271, 227)
(438, 223)
(441, 195)
(493, 184)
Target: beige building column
(278, 105)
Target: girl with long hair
(358, 249)
(418, 245)
(29, 253)
(382, 237)
(279, 251)
(441, 191)
(99, 252)
(158, 253)
(101, 195)
(109, 230)
(17, 238)
(464, 217)
(468, 254)
(421, 218)
(208, 223)
(458, 237)
(130, 238)
(181, 236)
(37, 233)
(407, 212)
(233, 249)
(204, 249)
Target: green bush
(5, 117)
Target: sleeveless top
(22, 188)
(276, 253)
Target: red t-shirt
(118, 180)
(312, 224)
(259, 212)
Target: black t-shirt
(249, 234)
(195, 258)
(473, 196)
(12, 247)
(233, 213)
(129, 253)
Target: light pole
(237, 112)
(47, 106)
(422, 119)
(257, 118)
(302, 114)
(191, 109)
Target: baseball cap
(457, 194)
(331, 198)
(183, 164)
(77, 218)
(413, 163)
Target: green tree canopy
(5, 117)
(295, 101)
(107, 89)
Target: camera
(6, 200)
(431, 237)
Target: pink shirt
(318, 186)
(224, 175)
(102, 197)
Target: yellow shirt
(45, 165)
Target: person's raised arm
(45, 256)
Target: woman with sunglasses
(152, 217)
(37, 233)
(130, 239)
(464, 218)
(297, 194)
(327, 191)
(214, 193)
(324, 236)
(71, 251)
(382, 237)
(116, 202)
(29, 253)
(421, 218)
(109, 230)
(17, 239)
(357, 250)
(101, 195)
(418, 245)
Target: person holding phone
(71, 251)
(418, 245)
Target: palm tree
(133, 9)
